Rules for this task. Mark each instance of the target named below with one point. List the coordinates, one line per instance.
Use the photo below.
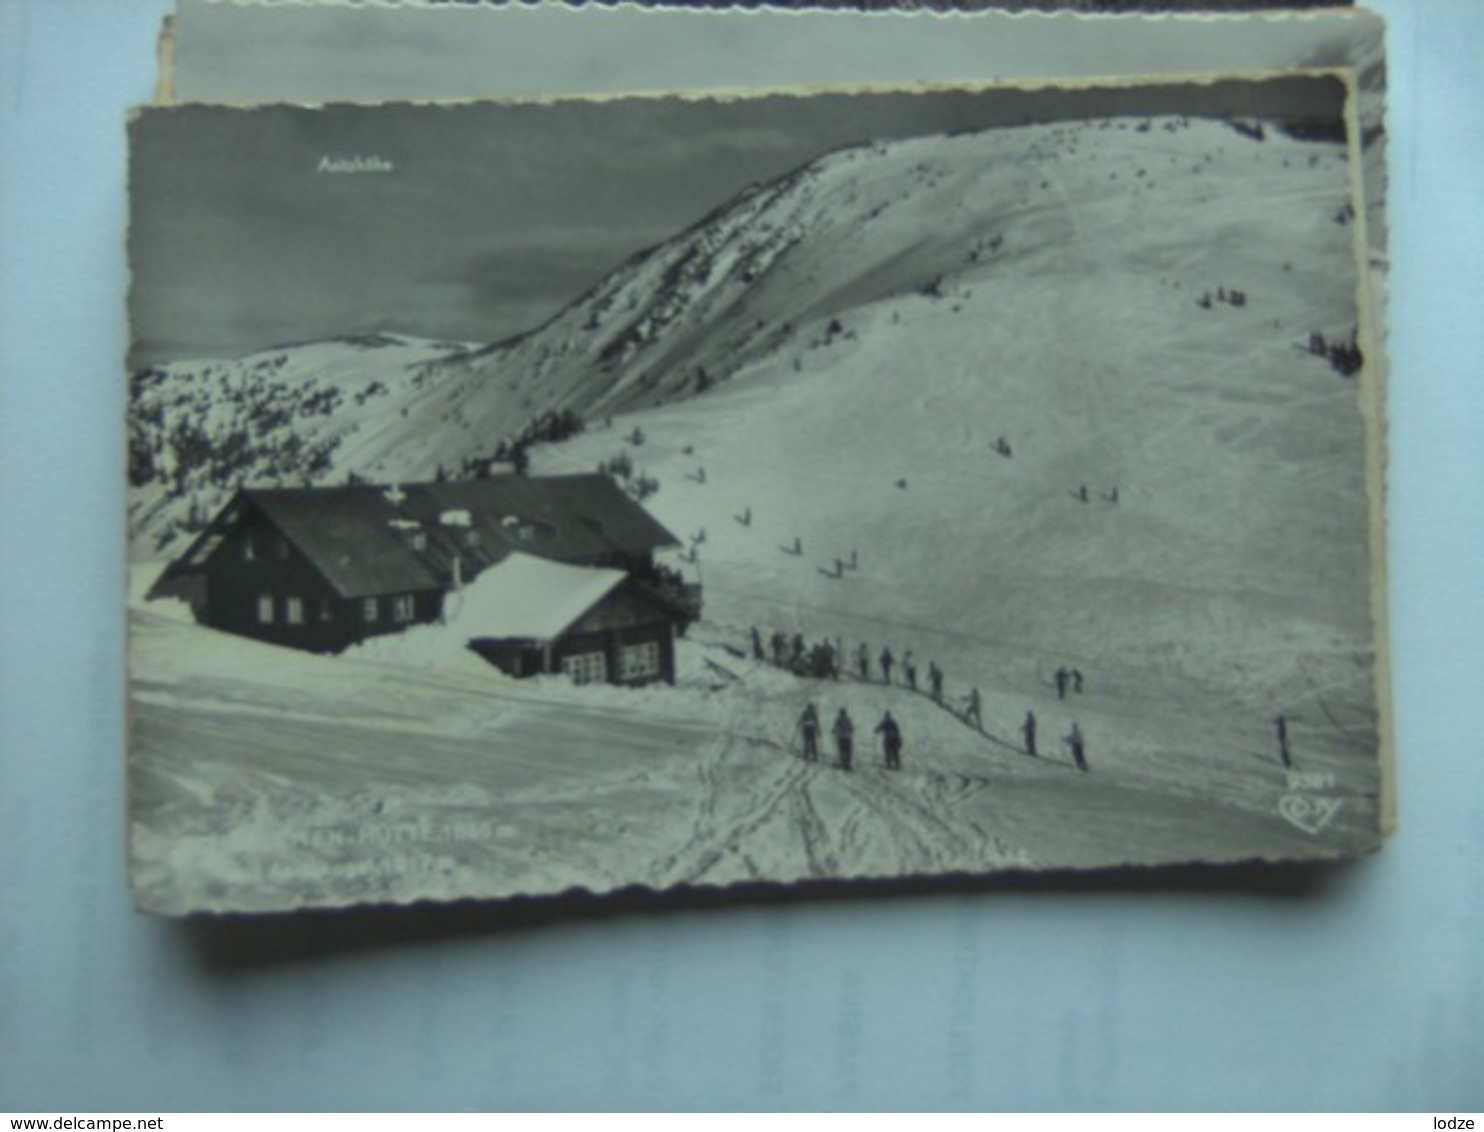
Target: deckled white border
(1275, 12)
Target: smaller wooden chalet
(527, 616)
(324, 568)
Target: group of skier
(886, 660)
(1072, 739)
(1068, 678)
(823, 660)
(843, 730)
(820, 660)
(973, 707)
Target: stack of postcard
(577, 449)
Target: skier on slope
(809, 726)
(1073, 739)
(1077, 680)
(971, 712)
(757, 644)
(935, 678)
(886, 663)
(821, 663)
(863, 660)
(844, 738)
(909, 669)
(1062, 675)
(1028, 730)
(891, 741)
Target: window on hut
(265, 609)
(293, 610)
(635, 662)
(402, 607)
(586, 667)
(369, 610)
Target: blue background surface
(1358, 987)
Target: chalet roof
(361, 537)
(579, 516)
(528, 598)
(347, 533)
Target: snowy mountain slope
(264, 781)
(296, 414)
(1238, 457)
(759, 277)
(1228, 583)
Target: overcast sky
(493, 216)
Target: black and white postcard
(671, 491)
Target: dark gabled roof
(352, 535)
(575, 518)
(347, 533)
(599, 501)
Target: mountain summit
(777, 274)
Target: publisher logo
(1308, 813)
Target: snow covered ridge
(777, 269)
(288, 416)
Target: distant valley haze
(254, 228)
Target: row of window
(403, 609)
(586, 667)
(635, 662)
(293, 610)
(638, 661)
